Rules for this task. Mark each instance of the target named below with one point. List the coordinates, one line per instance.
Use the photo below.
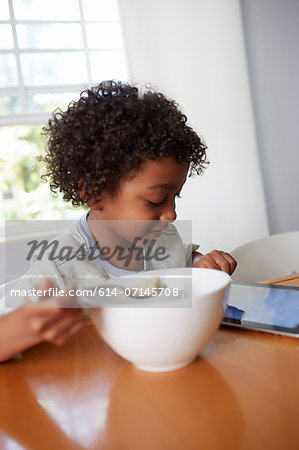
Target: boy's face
(149, 196)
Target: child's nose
(168, 212)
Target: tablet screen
(263, 307)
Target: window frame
(22, 92)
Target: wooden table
(241, 393)
(289, 280)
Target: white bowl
(166, 337)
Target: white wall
(272, 38)
(193, 50)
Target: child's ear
(96, 204)
(81, 191)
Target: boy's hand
(217, 260)
(53, 321)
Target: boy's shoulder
(55, 248)
(66, 255)
(170, 250)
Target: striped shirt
(91, 244)
(90, 267)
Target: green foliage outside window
(24, 194)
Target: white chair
(267, 258)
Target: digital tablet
(263, 307)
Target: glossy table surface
(241, 393)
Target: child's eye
(157, 205)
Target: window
(49, 52)
(52, 50)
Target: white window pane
(46, 103)
(4, 11)
(100, 10)
(8, 70)
(46, 10)
(104, 35)
(108, 65)
(6, 39)
(50, 36)
(50, 68)
(9, 105)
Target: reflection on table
(241, 393)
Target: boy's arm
(29, 325)
(215, 260)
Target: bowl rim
(223, 281)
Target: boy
(126, 155)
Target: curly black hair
(105, 136)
